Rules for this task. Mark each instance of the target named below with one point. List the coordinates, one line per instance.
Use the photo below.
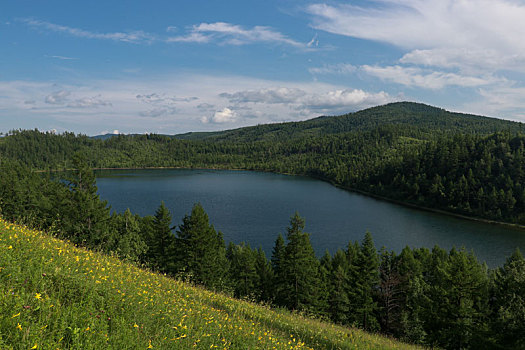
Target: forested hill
(409, 152)
(405, 114)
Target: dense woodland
(466, 164)
(408, 152)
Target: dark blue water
(255, 207)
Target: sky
(170, 67)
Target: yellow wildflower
(18, 314)
(38, 296)
(19, 326)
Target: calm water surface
(255, 207)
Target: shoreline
(517, 227)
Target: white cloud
(446, 33)
(508, 101)
(417, 77)
(190, 38)
(169, 104)
(226, 115)
(87, 102)
(63, 58)
(129, 37)
(332, 101)
(313, 42)
(158, 112)
(341, 68)
(428, 23)
(217, 32)
(467, 60)
(58, 97)
(232, 34)
(268, 95)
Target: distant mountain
(109, 136)
(104, 137)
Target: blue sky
(177, 66)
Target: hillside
(408, 152)
(405, 114)
(54, 295)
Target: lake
(255, 207)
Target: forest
(413, 153)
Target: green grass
(56, 296)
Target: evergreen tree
(264, 271)
(508, 309)
(277, 261)
(201, 251)
(86, 215)
(243, 274)
(363, 304)
(300, 269)
(129, 244)
(162, 240)
(390, 291)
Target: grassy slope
(54, 295)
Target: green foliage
(243, 273)
(365, 277)
(409, 152)
(509, 304)
(162, 240)
(55, 295)
(200, 249)
(299, 271)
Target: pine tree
(264, 271)
(508, 310)
(162, 240)
(300, 269)
(86, 215)
(363, 304)
(390, 298)
(201, 251)
(243, 274)
(278, 280)
(129, 244)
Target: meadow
(54, 295)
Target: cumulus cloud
(58, 97)
(129, 37)
(333, 101)
(232, 34)
(87, 102)
(155, 98)
(268, 95)
(158, 112)
(226, 115)
(131, 102)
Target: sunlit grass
(56, 296)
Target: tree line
(431, 297)
(477, 175)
